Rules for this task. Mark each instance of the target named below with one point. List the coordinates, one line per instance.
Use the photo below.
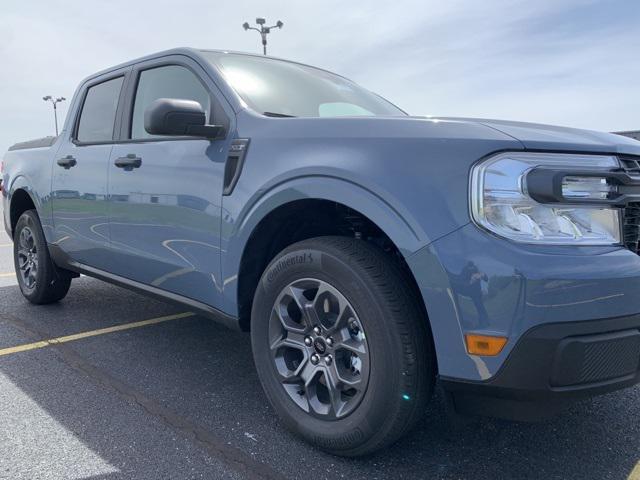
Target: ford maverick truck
(369, 253)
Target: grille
(604, 360)
(630, 164)
(631, 214)
(631, 227)
(596, 358)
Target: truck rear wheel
(341, 345)
(40, 281)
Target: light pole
(49, 98)
(263, 31)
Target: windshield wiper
(277, 115)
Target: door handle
(67, 162)
(129, 162)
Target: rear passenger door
(165, 214)
(79, 180)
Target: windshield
(280, 88)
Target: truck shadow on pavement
(181, 400)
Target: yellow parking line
(3, 245)
(92, 333)
(8, 274)
(635, 473)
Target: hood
(547, 137)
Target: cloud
(572, 62)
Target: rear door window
(98, 114)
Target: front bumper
(474, 282)
(553, 365)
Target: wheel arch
(343, 208)
(21, 199)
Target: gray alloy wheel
(40, 281)
(341, 345)
(27, 258)
(319, 348)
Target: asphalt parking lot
(178, 397)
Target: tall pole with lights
(55, 102)
(263, 31)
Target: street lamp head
(60, 99)
(264, 30)
(48, 97)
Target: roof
(173, 51)
(194, 53)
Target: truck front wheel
(341, 345)
(40, 281)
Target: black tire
(46, 284)
(401, 365)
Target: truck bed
(37, 143)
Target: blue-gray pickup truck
(369, 253)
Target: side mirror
(172, 116)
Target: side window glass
(99, 112)
(172, 81)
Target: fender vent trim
(234, 164)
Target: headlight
(501, 203)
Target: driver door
(165, 213)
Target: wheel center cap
(320, 346)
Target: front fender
(398, 224)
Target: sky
(564, 62)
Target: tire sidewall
(385, 366)
(29, 219)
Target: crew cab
(369, 253)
